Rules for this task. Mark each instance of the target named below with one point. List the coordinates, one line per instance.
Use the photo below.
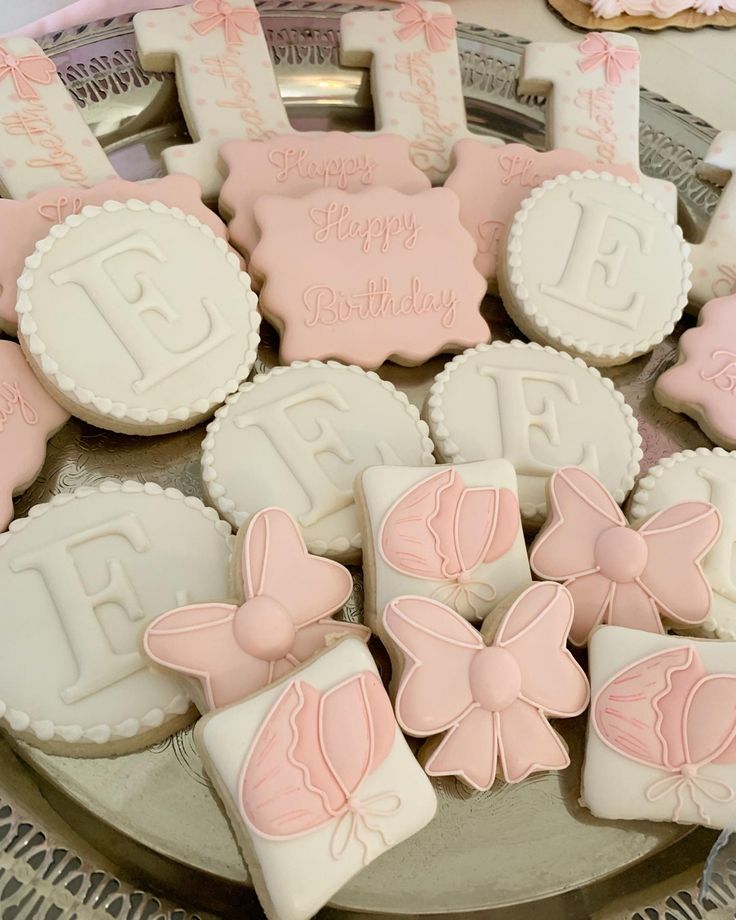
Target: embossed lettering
(34, 121)
(331, 171)
(518, 169)
(11, 401)
(724, 377)
(334, 222)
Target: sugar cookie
(594, 266)
(155, 292)
(80, 577)
(486, 695)
(661, 732)
(539, 409)
(297, 437)
(661, 9)
(450, 533)
(316, 778)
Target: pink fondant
(618, 577)
(490, 701)
(26, 222)
(597, 51)
(414, 19)
(372, 276)
(285, 620)
(220, 14)
(84, 11)
(25, 71)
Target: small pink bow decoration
(438, 28)
(599, 51)
(311, 755)
(33, 68)
(490, 700)
(222, 13)
(666, 711)
(285, 620)
(619, 575)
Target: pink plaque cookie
(371, 276)
(296, 164)
(28, 418)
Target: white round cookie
(137, 318)
(595, 266)
(298, 436)
(538, 408)
(709, 476)
(80, 578)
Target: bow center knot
(689, 771)
(621, 554)
(495, 679)
(264, 629)
(11, 60)
(224, 7)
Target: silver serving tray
(85, 836)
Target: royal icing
(488, 694)
(415, 77)
(662, 735)
(227, 87)
(297, 437)
(450, 533)
(316, 778)
(491, 183)
(296, 164)
(87, 571)
(662, 9)
(374, 276)
(539, 409)
(617, 574)
(45, 139)
(594, 266)
(284, 618)
(155, 292)
(28, 221)
(28, 418)
(592, 90)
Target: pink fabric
(76, 14)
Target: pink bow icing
(599, 51)
(222, 13)
(619, 575)
(438, 28)
(491, 701)
(33, 68)
(285, 620)
(309, 760)
(666, 711)
(440, 530)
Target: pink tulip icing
(492, 701)
(308, 762)
(285, 619)
(438, 28)
(667, 712)
(619, 575)
(597, 51)
(442, 531)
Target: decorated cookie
(592, 90)
(539, 409)
(24, 223)
(297, 437)
(450, 533)
(620, 575)
(703, 382)
(486, 696)
(415, 77)
(700, 475)
(595, 266)
(80, 578)
(159, 296)
(661, 736)
(28, 418)
(296, 164)
(316, 778)
(283, 617)
(224, 75)
(491, 183)
(661, 9)
(372, 277)
(44, 137)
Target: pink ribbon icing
(25, 71)
(218, 13)
(438, 28)
(599, 51)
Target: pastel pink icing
(621, 576)
(598, 51)
(235, 650)
(491, 702)
(84, 11)
(26, 71)
(220, 14)
(414, 19)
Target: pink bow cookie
(619, 575)
(25, 71)
(491, 701)
(438, 28)
(286, 617)
(218, 13)
(599, 51)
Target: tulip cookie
(316, 778)
(230, 651)
(486, 695)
